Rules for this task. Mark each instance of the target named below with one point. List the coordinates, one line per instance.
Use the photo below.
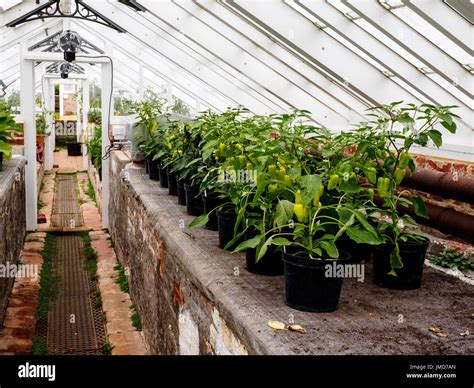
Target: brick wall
(12, 220)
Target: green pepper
(317, 196)
(222, 148)
(298, 199)
(281, 174)
(272, 170)
(242, 160)
(370, 193)
(404, 160)
(260, 178)
(300, 212)
(288, 181)
(333, 181)
(383, 186)
(399, 175)
(381, 154)
(272, 187)
(371, 175)
(249, 166)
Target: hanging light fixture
(65, 69)
(70, 41)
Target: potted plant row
(297, 198)
(7, 124)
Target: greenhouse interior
(249, 177)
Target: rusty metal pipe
(443, 184)
(446, 220)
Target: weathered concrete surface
(191, 301)
(12, 220)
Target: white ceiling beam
(153, 37)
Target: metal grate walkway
(66, 209)
(75, 322)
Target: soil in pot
(358, 252)
(269, 264)
(409, 277)
(210, 203)
(226, 222)
(194, 205)
(310, 285)
(153, 170)
(163, 176)
(172, 184)
(181, 192)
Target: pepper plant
(382, 158)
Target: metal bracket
(75, 68)
(79, 10)
(51, 44)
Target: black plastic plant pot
(270, 263)
(153, 170)
(172, 184)
(146, 164)
(193, 200)
(181, 192)
(358, 252)
(308, 286)
(1, 160)
(409, 277)
(226, 222)
(163, 177)
(210, 203)
(100, 173)
(74, 148)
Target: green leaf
(395, 260)
(283, 212)
(252, 243)
(281, 241)
(330, 248)
(446, 118)
(436, 137)
(362, 236)
(361, 218)
(199, 221)
(264, 248)
(310, 185)
(420, 207)
(349, 186)
(450, 127)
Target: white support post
(28, 114)
(78, 116)
(85, 112)
(106, 108)
(48, 144)
(53, 114)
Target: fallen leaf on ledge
(435, 329)
(441, 335)
(276, 325)
(464, 333)
(297, 328)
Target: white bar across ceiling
(135, 49)
(256, 62)
(153, 37)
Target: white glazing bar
(106, 107)
(28, 115)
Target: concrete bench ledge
(195, 298)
